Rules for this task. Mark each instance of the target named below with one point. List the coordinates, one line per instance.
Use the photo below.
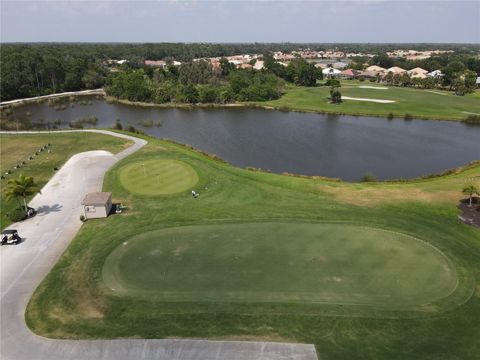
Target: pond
(346, 147)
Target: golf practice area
(332, 263)
(158, 177)
(362, 270)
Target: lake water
(347, 147)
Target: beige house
(376, 69)
(418, 73)
(395, 70)
(97, 205)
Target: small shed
(97, 205)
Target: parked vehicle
(10, 237)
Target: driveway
(47, 235)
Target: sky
(363, 21)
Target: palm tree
(470, 190)
(22, 187)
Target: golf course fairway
(380, 270)
(278, 262)
(158, 177)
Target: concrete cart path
(47, 235)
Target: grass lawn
(363, 271)
(420, 103)
(281, 262)
(158, 177)
(17, 148)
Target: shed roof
(97, 198)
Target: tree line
(29, 70)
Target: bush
(118, 125)
(390, 116)
(332, 82)
(472, 120)
(408, 117)
(335, 96)
(369, 178)
(83, 218)
(17, 215)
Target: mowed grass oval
(158, 177)
(281, 262)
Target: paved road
(47, 235)
(70, 93)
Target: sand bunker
(373, 87)
(370, 100)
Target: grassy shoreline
(410, 103)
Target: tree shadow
(46, 209)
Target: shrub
(332, 82)
(369, 178)
(390, 116)
(83, 218)
(17, 215)
(335, 96)
(118, 125)
(472, 120)
(408, 117)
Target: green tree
(382, 60)
(335, 95)
(21, 187)
(470, 190)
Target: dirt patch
(470, 214)
(376, 195)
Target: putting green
(158, 177)
(281, 262)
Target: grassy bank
(15, 149)
(76, 300)
(417, 103)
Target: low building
(155, 63)
(258, 65)
(377, 69)
(97, 205)
(395, 70)
(339, 65)
(331, 72)
(478, 81)
(367, 74)
(417, 73)
(435, 74)
(349, 74)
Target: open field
(419, 103)
(211, 265)
(17, 148)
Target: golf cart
(10, 237)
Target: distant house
(155, 63)
(417, 73)
(377, 69)
(349, 74)
(339, 65)
(97, 205)
(478, 81)
(258, 65)
(435, 74)
(395, 70)
(367, 74)
(321, 65)
(331, 72)
(245, 66)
